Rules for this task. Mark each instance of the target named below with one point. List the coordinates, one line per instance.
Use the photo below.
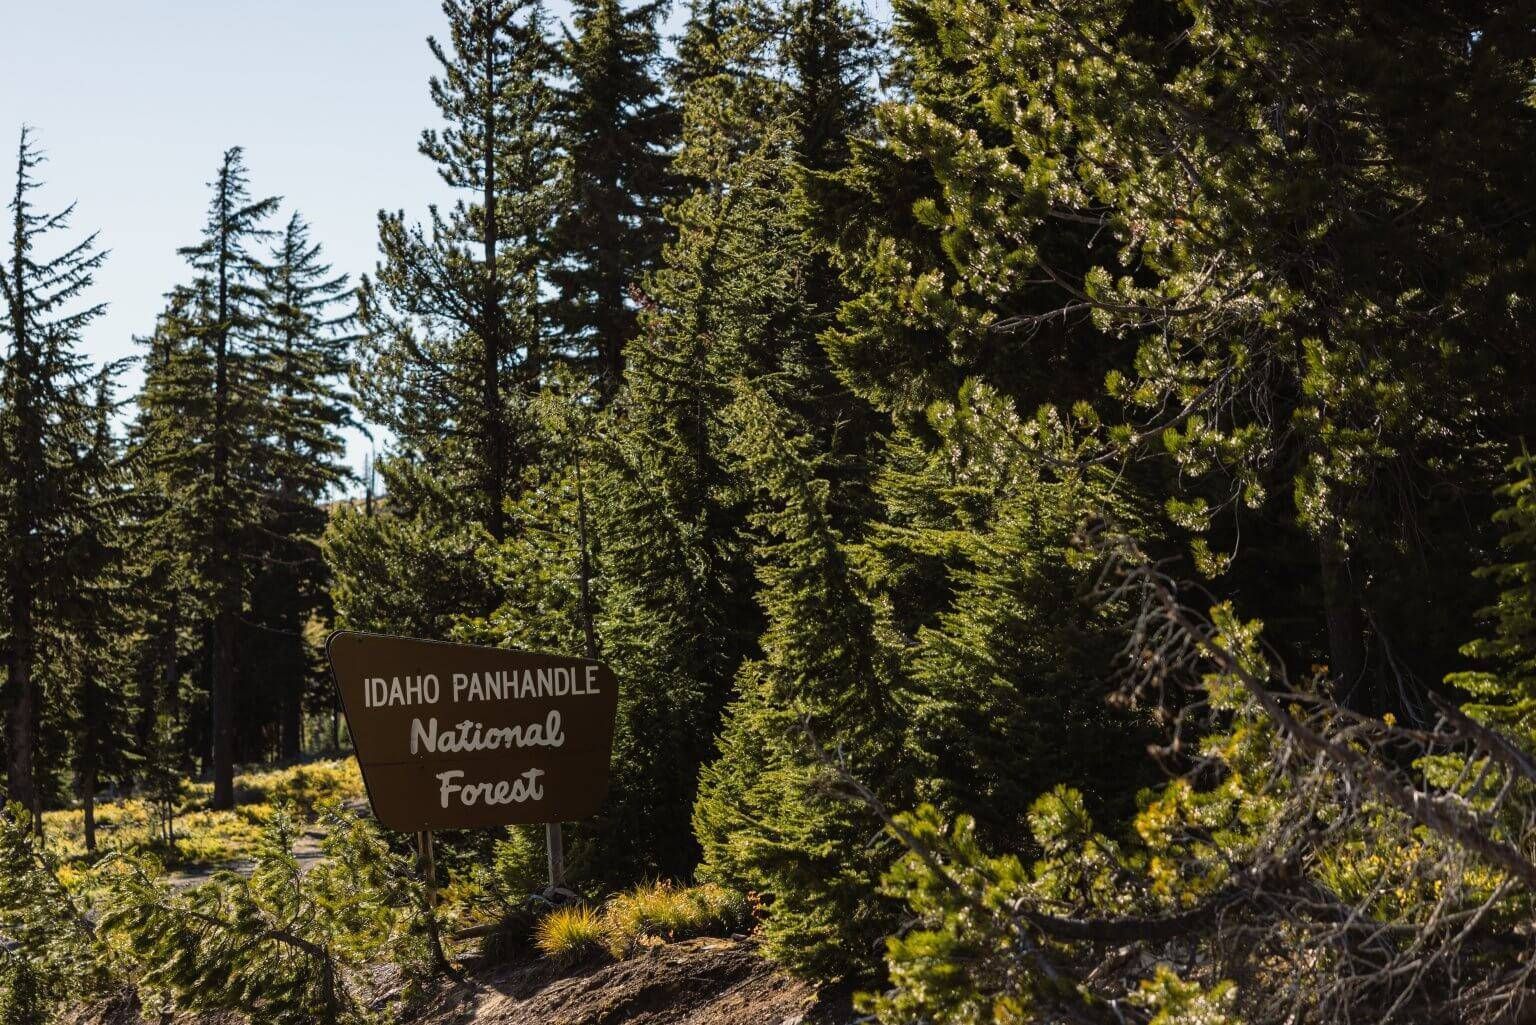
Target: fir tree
(168, 599)
(47, 417)
(1011, 675)
(617, 131)
(307, 351)
(822, 698)
(98, 622)
(677, 616)
(203, 407)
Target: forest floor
(306, 851)
(207, 841)
(691, 982)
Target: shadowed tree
(46, 417)
(202, 411)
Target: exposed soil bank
(694, 982)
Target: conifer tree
(46, 421)
(1010, 676)
(456, 334)
(98, 623)
(456, 338)
(616, 131)
(823, 697)
(307, 352)
(677, 616)
(203, 409)
(167, 598)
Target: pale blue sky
(133, 102)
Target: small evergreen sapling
(50, 951)
(1506, 693)
(293, 947)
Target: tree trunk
(588, 626)
(27, 468)
(21, 738)
(1346, 627)
(490, 309)
(291, 729)
(87, 786)
(222, 702)
(222, 686)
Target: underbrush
(202, 837)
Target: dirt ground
(694, 982)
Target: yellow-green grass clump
(647, 915)
(571, 935)
(663, 912)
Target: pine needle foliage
(287, 945)
(50, 950)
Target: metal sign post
(554, 843)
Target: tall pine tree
(617, 132)
(206, 405)
(456, 339)
(47, 417)
(455, 320)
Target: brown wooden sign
(452, 736)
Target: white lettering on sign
(472, 736)
(511, 685)
(400, 690)
(525, 788)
